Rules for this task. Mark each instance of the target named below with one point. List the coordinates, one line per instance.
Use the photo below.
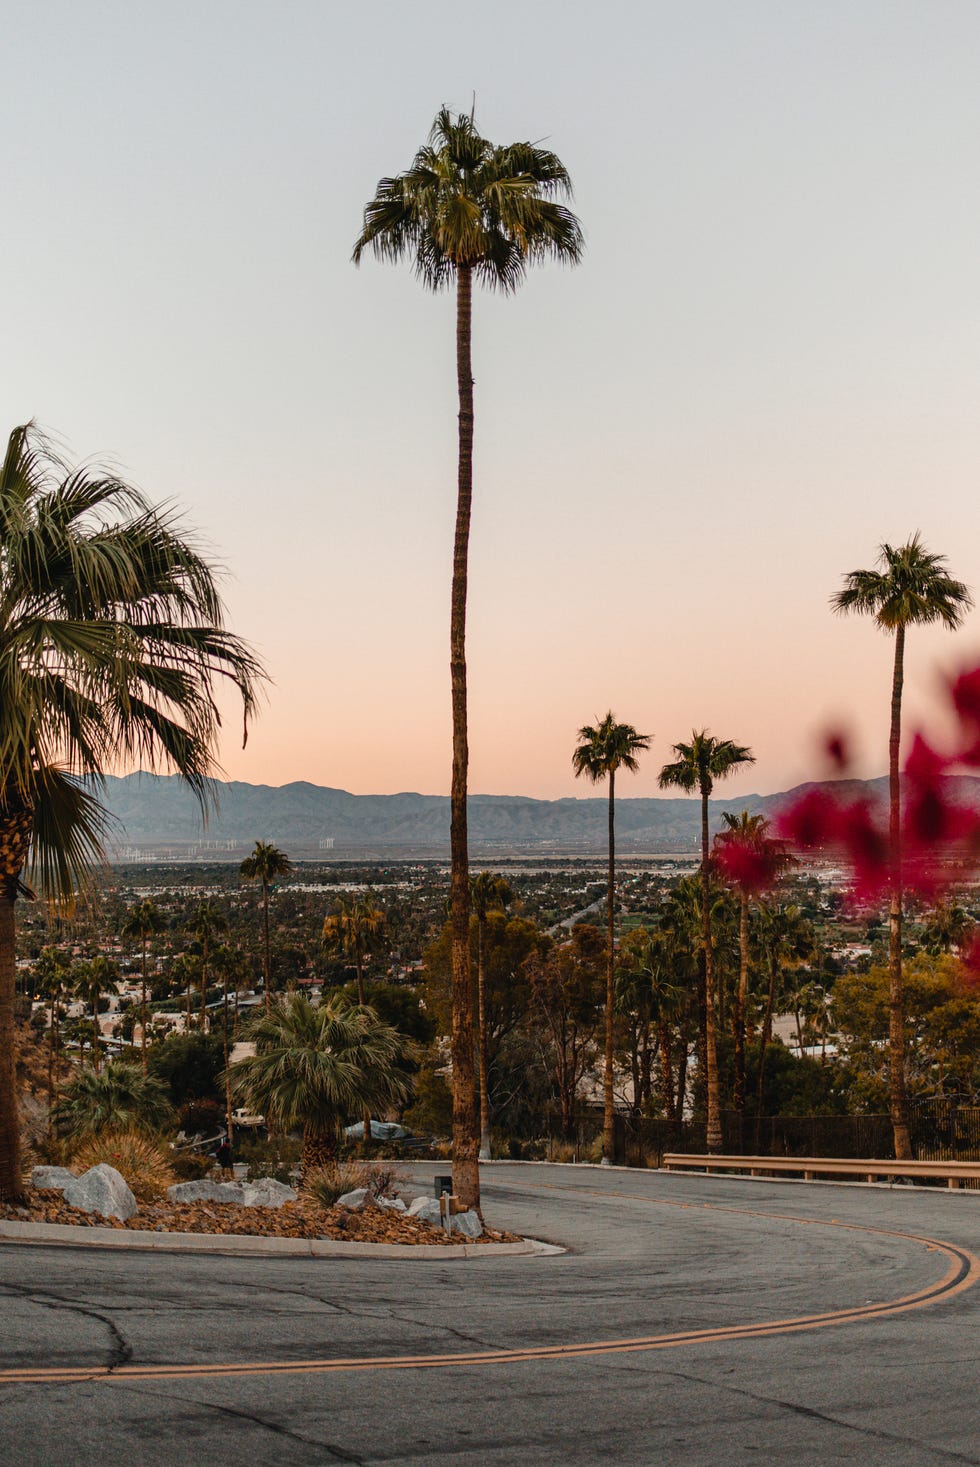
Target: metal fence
(942, 1130)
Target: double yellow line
(962, 1273)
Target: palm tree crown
(702, 761)
(606, 747)
(466, 202)
(313, 1066)
(265, 863)
(912, 588)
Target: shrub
(190, 1166)
(144, 1161)
(327, 1183)
(201, 1118)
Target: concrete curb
(251, 1245)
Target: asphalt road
(201, 1347)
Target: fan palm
(911, 588)
(141, 922)
(697, 766)
(601, 751)
(468, 209)
(488, 893)
(755, 861)
(264, 864)
(119, 1098)
(111, 649)
(946, 926)
(314, 1066)
(207, 923)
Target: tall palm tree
(312, 1067)
(755, 861)
(697, 766)
(347, 932)
(141, 922)
(207, 923)
(488, 893)
(90, 981)
(264, 864)
(911, 588)
(111, 649)
(468, 209)
(600, 752)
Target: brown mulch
(301, 1219)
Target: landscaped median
(264, 1217)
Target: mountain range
(158, 815)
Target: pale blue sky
(767, 363)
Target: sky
(766, 364)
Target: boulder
(393, 1204)
(467, 1223)
(52, 1178)
(426, 1208)
(266, 1192)
(357, 1200)
(101, 1190)
(205, 1191)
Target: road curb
(252, 1245)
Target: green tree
(488, 893)
(467, 209)
(697, 766)
(566, 981)
(51, 976)
(911, 588)
(349, 933)
(946, 926)
(189, 1065)
(312, 1067)
(601, 751)
(119, 1098)
(785, 939)
(265, 864)
(111, 649)
(755, 861)
(207, 923)
(142, 922)
(91, 980)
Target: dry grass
(328, 1183)
(144, 1162)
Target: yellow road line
(962, 1274)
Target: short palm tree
(207, 923)
(697, 766)
(349, 932)
(600, 752)
(315, 1066)
(142, 921)
(111, 649)
(488, 893)
(468, 209)
(911, 588)
(946, 926)
(264, 865)
(756, 861)
(119, 1098)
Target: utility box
(442, 1185)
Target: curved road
(693, 1321)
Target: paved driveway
(688, 1323)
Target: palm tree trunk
(710, 1038)
(481, 1018)
(764, 1039)
(229, 1123)
(899, 1100)
(738, 1008)
(11, 1182)
(366, 1113)
(466, 1166)
(187, 1020)
(204, 985)
(666, 1068)
(318, 1151)
(268, 965)
(143, 1012)
(608, 1104)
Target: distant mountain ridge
(154, 811)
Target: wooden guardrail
(869, 1169)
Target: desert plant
(118, 1098)
(144, 1161)
(326, 1183)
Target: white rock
(467, 1223)
(355, 1201)
(266, 1192)
(393, 1204)
(54, 1178)
(205, 1191)
(426, 1208)
(101, 1190)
